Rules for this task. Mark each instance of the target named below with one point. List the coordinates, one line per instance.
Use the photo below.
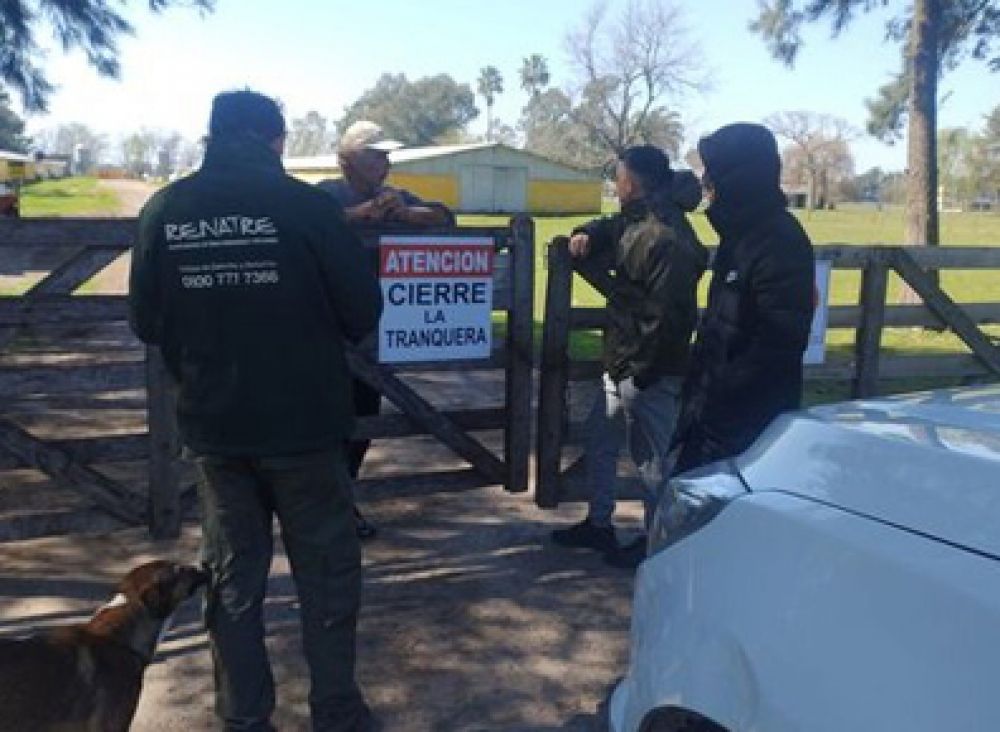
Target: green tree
(934, 36)
(489, 85)
(534, 74)
(988, 157)
(66, 139)
(309, 135)
(92, 26)
(12, 136)
(957, 149)
(138, 152)
(415, 113)
(550, 129)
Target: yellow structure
(478, 178)
(16, 167)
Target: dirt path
(132, 194)
(471, 620)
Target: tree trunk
(922, 179)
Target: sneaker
(364, 528)
(629, 556)
(588, 536)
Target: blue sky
(322, 54)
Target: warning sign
(438, 293)
(816, 349)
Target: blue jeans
(310, 495)
(642, 420)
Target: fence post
(164, 444)
(554, 373)
(868, 337)
(520, 350)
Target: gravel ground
(471, 620)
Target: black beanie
(245, 112)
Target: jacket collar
(243, 153)
(735, 218)
(635, 210)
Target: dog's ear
(157, 595)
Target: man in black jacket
(250, 282)
(747, 362)
(656, 261)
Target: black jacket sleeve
(603, 234)
(351, 282)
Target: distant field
(849, 225)
(67, 197)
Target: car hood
(927, 462)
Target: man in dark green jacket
(251, 282)
(656, 261)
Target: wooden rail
(72, 251)
(869, 318)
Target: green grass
(848, 225)
(67, 197)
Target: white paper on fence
(438, 293)
(816, 350)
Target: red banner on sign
(435, 260)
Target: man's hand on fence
(579, 245)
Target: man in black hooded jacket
(746, 367)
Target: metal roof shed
(479, 178)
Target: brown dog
(87, 677)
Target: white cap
(365, 135)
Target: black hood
(744, 167)
(682, 195)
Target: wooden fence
(85, 246)
(556, 482)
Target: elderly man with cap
(747, 362)
(250, 282)
(363, 154)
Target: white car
(841, 575)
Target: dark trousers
(367, 402)
(311, 497)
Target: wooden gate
(559, 479)
(76, 249)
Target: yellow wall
(544, 196)
(440, 188)
(16, 170)
(559, 196)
